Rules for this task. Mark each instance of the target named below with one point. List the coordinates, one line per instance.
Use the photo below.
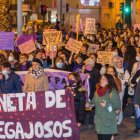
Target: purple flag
(6, 40)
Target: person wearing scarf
(36, 79)
(107, 102)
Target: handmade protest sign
(90, 26)
(52, 37)
(47, 115)
(6, 41)
(24, 38)
(105, 57)
(73, 45)
(93, 48)
(27, 47)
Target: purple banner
(58, 79)
(6, 41)
(43, 115)
(24, 38)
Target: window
(90, 2)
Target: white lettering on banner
(31, 133)
(31, 101)
(3, 103)
(1, 130)
(9, 133)
(60, 104)
(10, 105)
(51, 99)
(19, 131)
(20, 100)
(58, 133)
(7, 103)
(47, 127)
(38, 129)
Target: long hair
(111, 82)
(114, 69)
(76, 77)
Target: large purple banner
(6, 40)
(58, 79)
(43, 115)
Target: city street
(125, 130)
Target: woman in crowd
(121, 75)
(36, 79)
(136, 82)
(79, 94)
(107, 105)
(112, 71)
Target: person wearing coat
(36, 79)
(107, 104)
(10, 82)
(79, 94)
(136, 82)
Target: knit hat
(89, 61)
(37, 61)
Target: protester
(107, 105)
(36, 79)
(24, 64)
(10, 82)
(121, 75)
(79, 93)
(136, 82)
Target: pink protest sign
(27, 47)
(74, 45)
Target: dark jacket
(12, 85)
(79, 103)
(137, 89)
(93, 80)
(27, 66)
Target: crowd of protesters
(111, 86)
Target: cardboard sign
(93, 48)
(6, 41)
(52, 37)
(90, 27)
(27, 47)
(47, 115)
(24, 38)
(105, 57)
(74, 45)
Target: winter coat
(79, 103)
(105, 120)
(12, 85)
(34, 85)
(136, 81)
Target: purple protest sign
(43, 115)
(6, 41)
(24, 38)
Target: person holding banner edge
(36, 79)
(79, 94)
